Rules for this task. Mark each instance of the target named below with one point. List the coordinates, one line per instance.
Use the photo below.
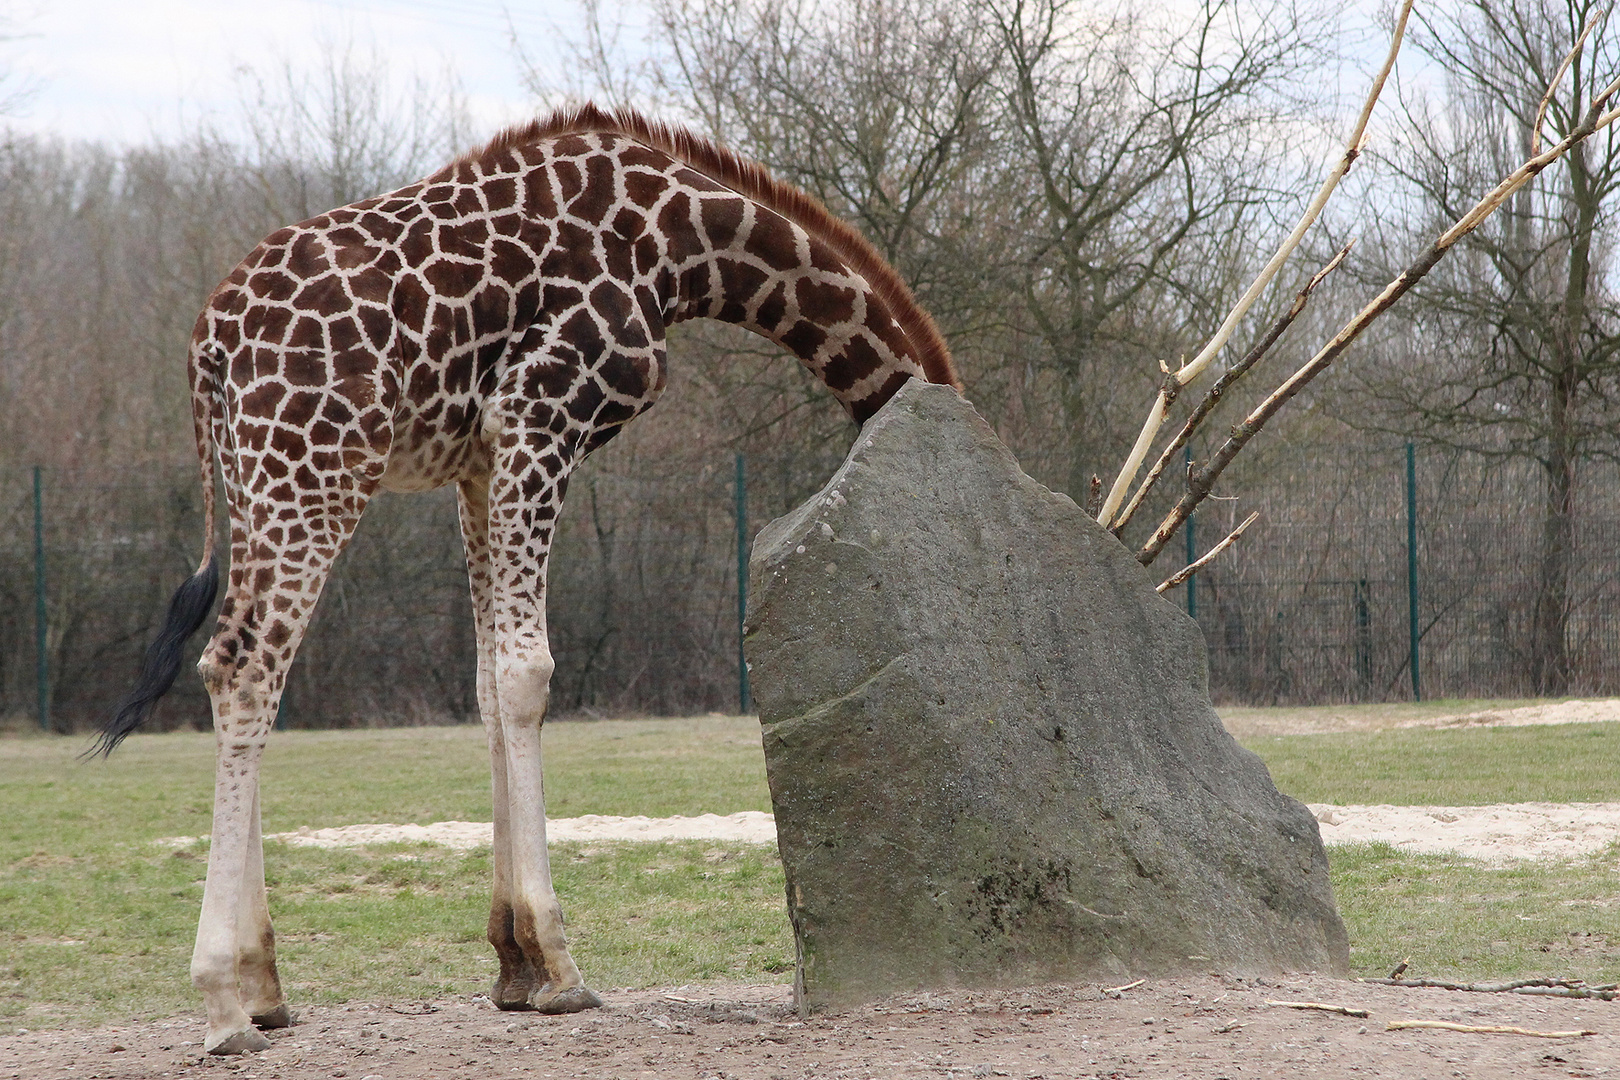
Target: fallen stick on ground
(1343, 1010)
(1122, 989)
(1569, 988)
(1488, 1029)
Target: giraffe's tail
(194, 599)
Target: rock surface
(990, 745)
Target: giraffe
(488, 327)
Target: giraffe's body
(487, 327)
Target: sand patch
(746, 827)
(1494, 833)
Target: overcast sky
(128, 70)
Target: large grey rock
(990, 743)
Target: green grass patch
(1461, 920)
(89, 940)
(1461, 767)
(96, 921)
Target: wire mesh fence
(643, 601)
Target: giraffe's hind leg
(276, 574)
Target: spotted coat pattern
(488, 327)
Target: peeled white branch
(1209, 556)
(1174, 381)
(1225, 383)
(1198, 485)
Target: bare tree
(347, 129)
(1513, 349)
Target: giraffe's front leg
(524, 676)
(526, 979)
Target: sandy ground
(1323, 719)
(1496, 833)
(1199, 1027)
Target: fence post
(42, 671)
(1192, 554)
(744, 701)
(1411, 572)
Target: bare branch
(1198, 487)
(1209, 556)
(1194, 367)
(1558, 76)
(1224, 383)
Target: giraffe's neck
(756, 269)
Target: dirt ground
(1199, 1027)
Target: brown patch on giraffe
(272, 285)
(857, 360)
(307, 333)
(740, 281)
(372, 284)
(570, 182)
(324, 296)
(263, 399)
(464, 239)
(306, 257)
(572, 257)
(469, 200)
(509, 261)
(452, 278)
(721, 219)
(805, 338)
(646, 252)
(342, 335)
(300, 409)
(772, 241)
(305, 369)
(773, 309)
(618, 256)
(500, 192)
(643, 188)
(266, 323)
(410, 308)
(823, 302)
(599, 195)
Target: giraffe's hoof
(569, 999)
(237, 1042)
(512, 995)
(278, 1017)
(511, 1004)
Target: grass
(96, 922)
(1463, 767)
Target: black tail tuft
(187, 610)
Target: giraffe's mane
(750, 178)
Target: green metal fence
(648, 587)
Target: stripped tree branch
(1199, 485)
(1485, 1029)
(1570, 988)
(1174, 381)
(1193, 567)
(1225, 383)
(1558, 77)
(1342, 1010)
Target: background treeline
(1077, 192)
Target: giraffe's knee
(523, 686)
